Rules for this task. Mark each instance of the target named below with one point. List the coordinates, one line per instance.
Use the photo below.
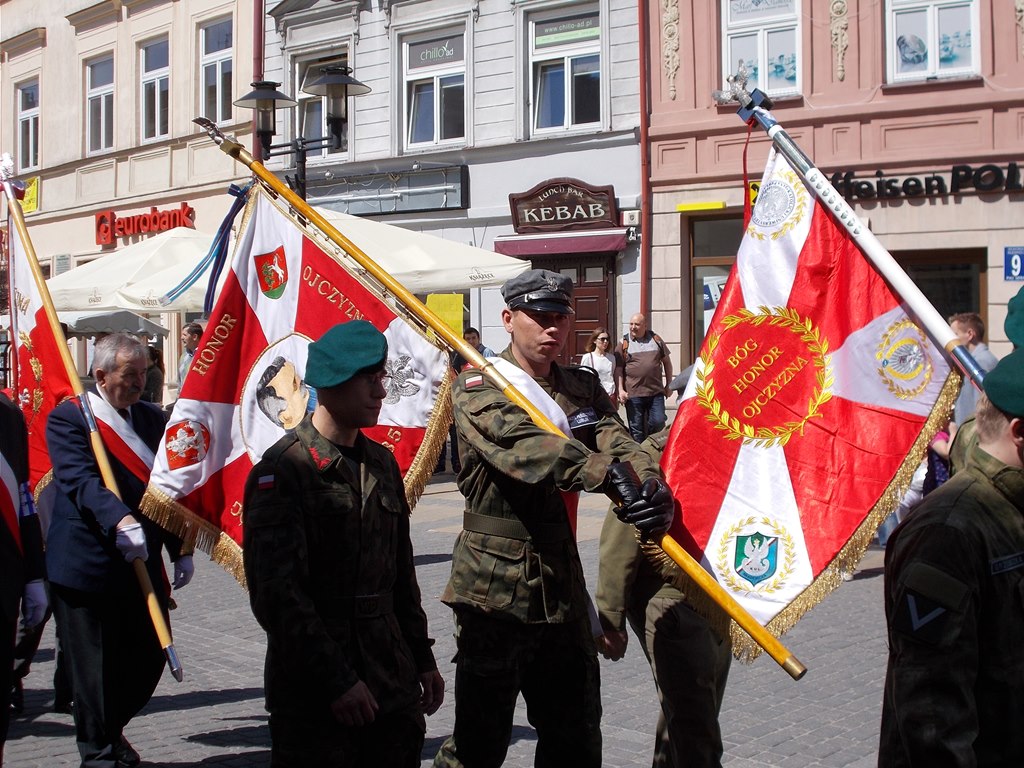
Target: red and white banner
(40, 380)
(245, 386)
(810, 406)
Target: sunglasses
(602, 338)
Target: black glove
(621, 485)
(653, 513)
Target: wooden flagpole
(156, 615)
(771, 644)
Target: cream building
(96, 108)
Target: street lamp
(336, 83)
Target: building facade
(913, 108)
(510, 125)
(96, 108)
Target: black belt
(365, 606)
(509, 528)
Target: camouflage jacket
(626, 579)
(954, 604)
(514, 471)
(330, 574)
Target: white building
(473, 101)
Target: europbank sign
(110, 226)
(961, 179)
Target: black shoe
(17, 698)
(125, 754)
(63, 707)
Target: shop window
(953, 281)
(28, 125)
(155, 89)
(435, 91)
(216, 65)
(764, 37)
(929, 39)
(99, 128)
(713, 246)
(565, 72)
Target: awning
(91, 323)
(86, 323)
(591, 241)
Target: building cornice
(103, 12)
(23, 43)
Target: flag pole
(771, 644)
(754, 108)
(99, 450)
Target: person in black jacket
(21, 550)
(112, 650)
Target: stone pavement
(216, 716)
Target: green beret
(342, 352)
(540, 290)
(1014, 325)
(1004, 384)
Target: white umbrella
(425, 263)
(135, 277)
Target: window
(435, 91)
(763, 36)
(28, 125)
(565, 71)
(155, 82)
(215, 65)
(100, 105)
(714, 242)
(312, 111)
(929, 39)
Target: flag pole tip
(173, 663)
(756, 99)
(793, 666)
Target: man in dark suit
(21, 550)
(113, 654)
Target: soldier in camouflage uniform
(689, 655)
(954, 585)
(517, 584)
(329, 563)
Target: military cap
(1014, 325)
(342, 352)
(1004, 384)
(541, 290)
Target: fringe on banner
(195, 532)
(422, 467)
(743, 646)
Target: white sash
(525, 383)
(108, 414)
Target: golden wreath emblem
(779, 564)
(816, 346)
(781, 205)
(903, 361)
